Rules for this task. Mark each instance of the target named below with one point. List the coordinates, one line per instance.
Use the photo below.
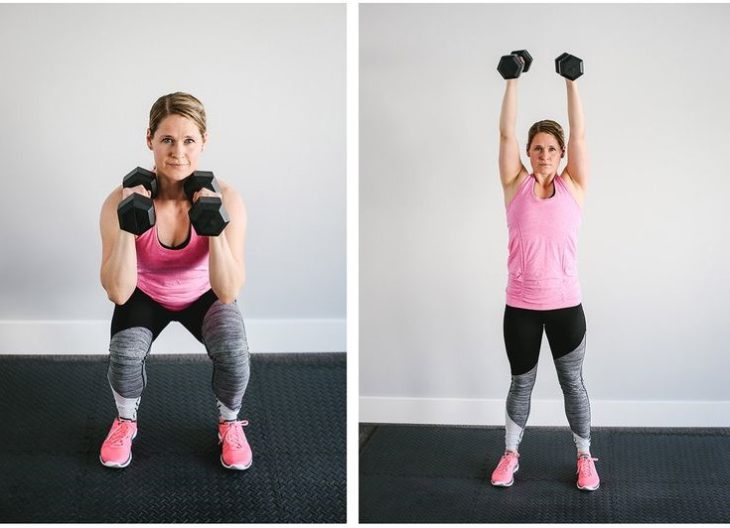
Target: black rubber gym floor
(423, 474)
(56, 411)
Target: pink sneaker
(508, 465)
(235, 451)
(116, 451)
(587, 476)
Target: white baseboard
(92, 337)
(607, 413)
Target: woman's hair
(549, 127)
(179, 103)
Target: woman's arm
(227, 267)
(510, 164)
(118, 251)
(577, 168)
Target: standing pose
(544, 209)
(167, 271)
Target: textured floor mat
(55, 412)
(424, 474)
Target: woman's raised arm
(510, 164)
(577, 168)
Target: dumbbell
(512, 65)
(136, 212)
(207, 215)
(569, 66)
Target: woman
(543, 216)
(170, 273)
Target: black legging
(138, 322)
(565, 329)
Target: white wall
(78, 83)
(655, 242)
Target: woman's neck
(169, 189)
(543, 179)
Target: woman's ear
(149, 139)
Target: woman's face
(545, 153)
(176, 145)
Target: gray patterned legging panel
(566, 332)
(138, 322)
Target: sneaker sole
(115, 465)
(507, 484)
(586, 488)
(236, 467)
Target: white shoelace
(121, 433)
(234, 434)
(584, 467)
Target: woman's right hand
(139, 189)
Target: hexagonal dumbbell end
(140, 176)
(569, 66)
(136, 214)
(510, 66)
(558, 60)
(526, 58)
(208, 216)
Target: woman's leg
(224, 336)
(135, 325)
(221, 329)
(566, 333)
(522, 338)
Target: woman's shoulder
(519, 183)
(230, 194)
(108, 215)
(227, 188)
(113, 198)
(574, 190)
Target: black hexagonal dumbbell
(512, 65)
(569, 66)
(136, 212)
(207, 215)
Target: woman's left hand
(206, 192)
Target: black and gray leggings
(566, 333)
(138, 322)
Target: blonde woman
(544, 209)
(170, 273)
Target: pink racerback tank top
(543, 243)
(175, 278)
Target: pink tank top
(543, 242)
(175, 278)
